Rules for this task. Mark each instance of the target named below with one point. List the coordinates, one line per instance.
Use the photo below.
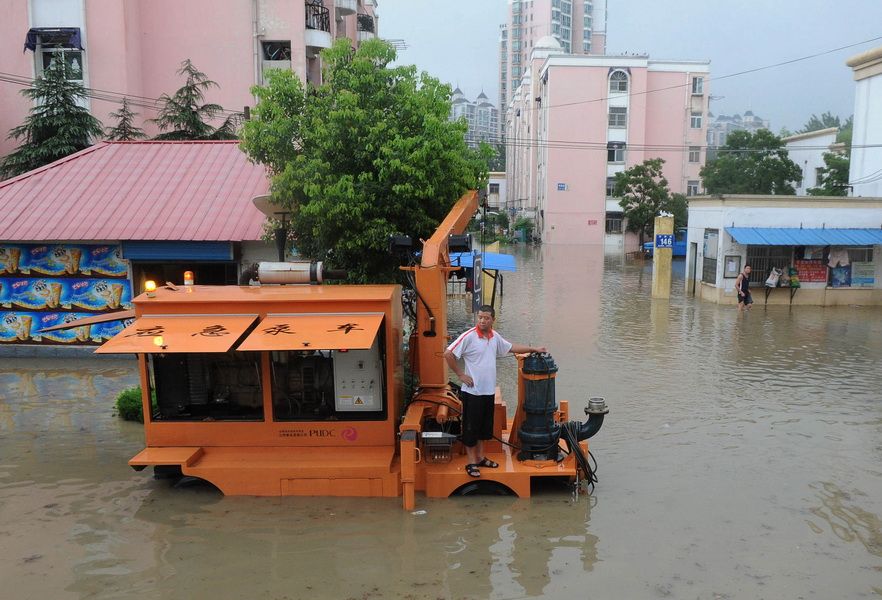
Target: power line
(587, 145)
(105, 95)
(721, 77)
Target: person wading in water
(742, 286)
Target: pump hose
(570, 433)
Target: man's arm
(738, 283)
(454, 366)
(520, 349)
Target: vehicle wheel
(483, 488)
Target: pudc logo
(350, 434)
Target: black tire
(483, 488)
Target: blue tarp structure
(793, 236)
(489, 260)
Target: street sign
(664, 240)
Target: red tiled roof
(193, 191)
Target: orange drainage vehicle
(278, 390)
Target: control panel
(358, 380)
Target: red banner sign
(811, 271)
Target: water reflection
(741, 459)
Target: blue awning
(794, 236)
(177, 251)
(489, 260)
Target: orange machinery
(298, 389)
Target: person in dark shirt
(742, 286)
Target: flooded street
(742, 458)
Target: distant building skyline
(722, 125)
(481, 115)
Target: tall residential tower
(578, 25)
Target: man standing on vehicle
(742, 286)
(479, 347)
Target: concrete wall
(807, 150)
(865, 173)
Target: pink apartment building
(576, 121)
(133, 48)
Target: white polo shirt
(479, 353)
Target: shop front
(806, 251)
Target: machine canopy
(314, 332)
(179, 333)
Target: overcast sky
(457, 41)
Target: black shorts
(747, 299)
(477, 417)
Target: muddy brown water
(741, 459)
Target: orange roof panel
(314, 332)
(179, 333)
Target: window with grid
(762, 258)
(618, 82)
(610, 187)
(709, 264)
(860, 254)
(698, 85)
(694, 154)
(614, 222)
(615, 152)
(618, 116)
(695, 121)
(692, 187)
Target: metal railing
(366, 23)
(317, 16)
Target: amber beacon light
(150, 288)
(188, 277)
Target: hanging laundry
(838, 256)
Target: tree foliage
(497, 161)
(125, 129)
(751, 163)
(368, 153)
(833, 178)
(185, 116)
(56, 126)
(825, 121)
(644, 194)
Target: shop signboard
(25, 327)
(811, 271)
(49, 284)
(863, 274)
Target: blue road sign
(664, 240)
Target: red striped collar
(489, 335)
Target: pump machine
(291, 387)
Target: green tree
(844, 135)
(57, 125)
(644, 194)
(816, 123)
(751, 163)
(183, 116)
(833, 178)
(125, 129)
(368, 153)
(497, 161)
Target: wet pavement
(741, 459)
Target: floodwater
(742, 458)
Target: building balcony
(346, 7)
(318, 25)
(367, 28)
